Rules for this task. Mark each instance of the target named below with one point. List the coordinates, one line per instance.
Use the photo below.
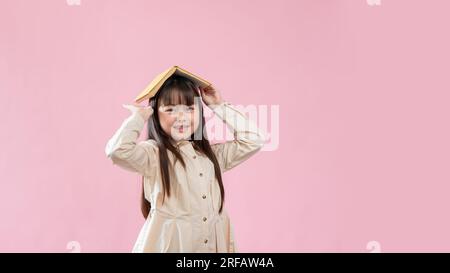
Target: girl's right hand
(144, 111)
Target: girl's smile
(182, 128)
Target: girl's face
(179, 121)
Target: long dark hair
(177, 90)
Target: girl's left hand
(210, 95)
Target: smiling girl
(183, 193)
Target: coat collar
(182, 143)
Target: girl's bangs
(177, 95)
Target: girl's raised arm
(248, 138)
(125, 152)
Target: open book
(159, 80)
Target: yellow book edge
(159, 80)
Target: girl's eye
(169, 110)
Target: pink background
(363, 94)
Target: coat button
(204, 219)
(194, 157)
(206, 241)
(204, 196)
(201, 174)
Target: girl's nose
(181, 115)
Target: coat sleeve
(124, 151)
(248, 138)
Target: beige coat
(188, 221)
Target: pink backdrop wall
(362, 91)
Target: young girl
(183, 193)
